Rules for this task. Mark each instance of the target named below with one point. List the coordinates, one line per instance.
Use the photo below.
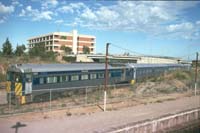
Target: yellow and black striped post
(18, 89)
(18, 93)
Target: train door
(123, 78)
(134, 73)
(28, 84)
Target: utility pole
(196, 72)
(106, 76)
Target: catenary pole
(196, 73)
(106, 76)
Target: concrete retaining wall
(163, 123)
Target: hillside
(6, 61)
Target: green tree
(7, 47)
(37, 50)
(20, 50)
(86, 50)
(67, 50)
(62, 47)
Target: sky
(164, 28)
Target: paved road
(101, 121)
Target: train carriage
(23, 80)
(141, 71)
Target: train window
(41, 80)
(84, 77)
(17, 77)
(65, 78)
(52, 79)
(8, 76)
(74, 77)
(61, 79)
(109, 75)
(100, 75)
(93, 76)
(28, 77)
(55, 79)
(116, 74)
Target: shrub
(2, 77)
(69, 58)
(180, 75)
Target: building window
(92, 44)
(63, 37)
(74, 77)
(56, 36)
(93, 76)
(84, 77)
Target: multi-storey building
(54, 41)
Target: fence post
(104, 103)
(9, 101)
(50, 99)
(86, 96)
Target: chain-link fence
(151, 90)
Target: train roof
(134, 65)
(58, 67)
(79, 67)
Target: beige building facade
(54, 41)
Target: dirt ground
(88, 110)
(3, 96)
(96, 121)
(142, 93)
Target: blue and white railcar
(24, 79)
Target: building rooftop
(60, 33)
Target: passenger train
(23, 80)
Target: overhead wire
(137, 53)
(130, 51)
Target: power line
(117, 46)
(136, 53)
(187, 55)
